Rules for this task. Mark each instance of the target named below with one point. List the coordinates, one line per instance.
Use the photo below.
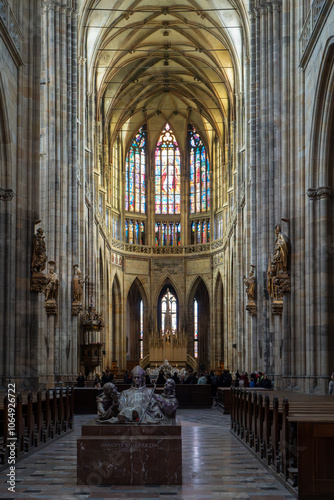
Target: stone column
(59, 182)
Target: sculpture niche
(51, 290)
(78, 284)
(278, 280)
(38, 262)
(138, 404)
(250, 290)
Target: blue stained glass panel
(157, 204)
(167, 170)
(135, 174)
(199, 175)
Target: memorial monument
(141, 431)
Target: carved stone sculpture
(78, 283)
(92, 320)
(139, 404)
(278, 280)
(167, 401)
(250, 290)
(51, 290)
(107, 402)
(38, 262)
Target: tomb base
(130, 454)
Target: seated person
(107, 402)
(167, 400)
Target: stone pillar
(59, 181)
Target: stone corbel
(321, 192)
(6, 194)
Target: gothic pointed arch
(323, 122)
(137, 322)
(5, 139)
(218, 340)
(199, 323)
(320, 219)
(168, 310)
(116, 323)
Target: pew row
(292, 434)
(40, 417)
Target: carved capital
(6, 194)
(251, 308)
(38, 282)
(282, 285)
(277, 307)
(321, 192)
(76, 308)
(51, 306)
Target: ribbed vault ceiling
(153, 61)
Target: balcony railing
(311, 22)
(9, 21)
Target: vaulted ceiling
(155, 61)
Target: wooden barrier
(292, 434)
(39, 417)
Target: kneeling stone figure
(140, 404)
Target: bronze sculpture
(140, 405)
(107, 402)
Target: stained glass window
(126, 231)
(141, 319)
(167, 174)
(168, 312)
(199, 175)
(167, 233)
(135, 174)
(195, 328)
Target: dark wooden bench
(39, 417)
(292, 433)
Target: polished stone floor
(215, 465)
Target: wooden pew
(224, 400)
(36, 420)
(294, 438)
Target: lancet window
(167, 174)
(141, 321)
(195, 328)
(199, 175)
(135, 196)
(168, 312)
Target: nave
(215, 465)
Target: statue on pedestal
(250, 290)
(51, 290)
(38, 262)
(140, 405)
(78, 283)
(278, 280)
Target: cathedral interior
(166, 188)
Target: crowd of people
(225, 379)
(257, 379)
